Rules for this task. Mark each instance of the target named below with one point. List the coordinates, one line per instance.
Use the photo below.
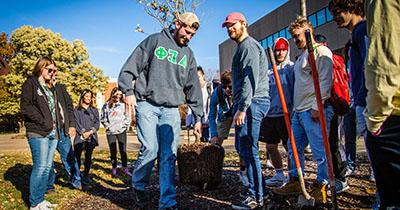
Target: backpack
(340, 96)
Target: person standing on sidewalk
(165, 73)
(41, 113)
(67, 131)
(305, 121)
(382, 114)
(116, 121)
(273, 127)
(250, 104)
(87, 125)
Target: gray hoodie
(114, 119)
(165, 73)
(249, 73)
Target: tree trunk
(303, 7)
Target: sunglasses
(50, 70)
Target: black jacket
(64, 100)
(35, 109)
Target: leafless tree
(166, 11)
(303, 7)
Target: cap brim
(228, 22)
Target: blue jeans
(158, 130)
(350, 138)
(360, 122)
(42, 150)
(68, 159)
(246, 143)
(306, 131)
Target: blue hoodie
(358, 53)
(286, 74)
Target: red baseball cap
(281, 44)
(233, 18)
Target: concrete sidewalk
(18, 142)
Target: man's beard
(237, 34)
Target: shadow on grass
(19, 176)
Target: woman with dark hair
(116, 122)
(87, 125)
(38, 106)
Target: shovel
(311, 60)
(304, 199)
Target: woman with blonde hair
(38, 106)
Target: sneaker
(141, 198)
(341, 186)
(372, 176)
(44, 205)
(114, 172)
(243, 178)
(49, 205)
(249, 203)
(319, 192)
(126, 171)
(307, 150)
(276, 181)
(269, 164)
(290, 188)
(350, 172)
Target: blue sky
(108, 27)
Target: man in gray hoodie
(165, 73)
(250, 103)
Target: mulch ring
(359, 196)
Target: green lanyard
(50, 101)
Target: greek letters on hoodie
(165, 74)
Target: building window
(321, 17)
(276, 35)
(270, 41)
(328, 15)
(313, 19)
(282, 33)
(288, 34)
(264, 43)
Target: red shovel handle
(315, 76)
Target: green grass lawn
(15, 170)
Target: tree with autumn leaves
(26, 46)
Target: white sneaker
(44, 205)
(308, 150)
(243, 178)
(341, 186)
(350, 172)
(276, 181)
(269, 164)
